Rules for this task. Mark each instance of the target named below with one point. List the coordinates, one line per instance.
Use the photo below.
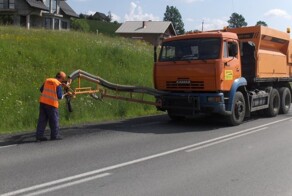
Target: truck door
(231, 61)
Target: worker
(51, 92)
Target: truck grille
(185, 84)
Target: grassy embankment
(28, 57)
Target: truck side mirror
(233, 49)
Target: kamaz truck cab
(232, 72)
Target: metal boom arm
(117, 88)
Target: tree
(236, 20)
(261, 23)
(82, 16)
(109, 17)
(90, 17)
(193, 31)
(172, 14)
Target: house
(50, 14)
(149, 31)
(100, 16)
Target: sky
(215, 13)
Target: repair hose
(112, 86)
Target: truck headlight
(214, 99)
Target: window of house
(22, 21)
(54, 6)
(57, 22)
(47, 3)
(64, 25)
(48, 22)
(11, 4)
(1, 4)
(51, 4)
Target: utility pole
(202, 25)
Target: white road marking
(225, 140)
(44, 185)
(8, 146)
(58, 187)
(106, 169)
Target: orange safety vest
(49, 94)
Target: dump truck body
(232, 72)
(271, 49)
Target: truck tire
(173, 117)
(285, 97)
(274, 105)
(238, 110)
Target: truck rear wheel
(238, 110)
(285, 97)
(274, 105)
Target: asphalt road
(154, 156)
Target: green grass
(30, 56)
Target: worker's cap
(61, 75)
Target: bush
(86, 25)
(6, 19)
(80, 25)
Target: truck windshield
(191, 49)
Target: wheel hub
(239, 109)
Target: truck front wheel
(285, 96)
(274, 105)
(238, 110)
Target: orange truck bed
(273, 50)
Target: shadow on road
(17, 139)
(159, 124)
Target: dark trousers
(51, 114)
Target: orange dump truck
(232, 72)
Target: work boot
(41, 139)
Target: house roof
(100, 15)
(67, 9)
(146, 27)
(37, 4)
